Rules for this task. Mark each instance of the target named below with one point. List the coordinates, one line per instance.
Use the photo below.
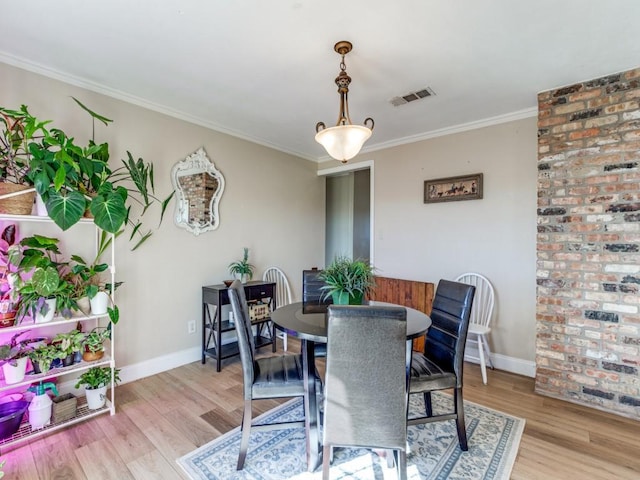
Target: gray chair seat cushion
(426, 375)
(279, 376)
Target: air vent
(412, 96)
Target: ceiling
(264, 70)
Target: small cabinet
(214, 323)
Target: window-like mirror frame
(197, 162)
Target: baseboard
(506, 363)
(145, 368)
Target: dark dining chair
(315, 300)
(313, 295)
(278, 376)
(439, 366)
(365, 381)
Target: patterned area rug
(280, 454)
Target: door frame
(350, 167)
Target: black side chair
(365, 401)
(315, 300)
(439, 367)
(313, 296)
(271, 377)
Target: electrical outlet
(191, 326)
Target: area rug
(493, 439)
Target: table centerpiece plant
(347, 281)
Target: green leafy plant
(44, 354)
(242, 267)
(73, 179)
(69, 343)
(12, 351)
(38, 256)
(94, 340)
(97, 377)
(344, 276)
(18, 130)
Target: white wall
(494, 236)
(273, 203)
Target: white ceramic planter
(15, 374)
(96, 397)
(51, 302)
(99, 303)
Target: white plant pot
(99, 303)
(14, 374)
(51, 311)
(96, 397)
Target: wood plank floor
(162, 417)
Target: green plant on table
(97, 377)
(242, 267)
(354, 278)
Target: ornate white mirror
(199, 186)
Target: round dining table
(309, 324)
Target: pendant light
(344, 141)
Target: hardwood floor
(163, 417)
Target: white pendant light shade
(344, 141)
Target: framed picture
(450, 189)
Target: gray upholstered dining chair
(365, 381)
(439, 367)
(278, 376)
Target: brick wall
(588, 271)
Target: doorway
(349, 212)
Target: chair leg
(483, 366)
(246, 432)
(462, 431)
(284, 341)
(327, 454)
(427, 404)
(485, 342)
(401, 464)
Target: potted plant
(43, 356)
(93, 343)
(13, 357)
(8, 305)
(242, 269)
(46, 289)
(69, 343)
(18, 130)
(71, 179)
(347, 281)
(95, 381)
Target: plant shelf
(25, 433)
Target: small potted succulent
(242, 269)
(95, 381)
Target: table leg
(311, 406)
